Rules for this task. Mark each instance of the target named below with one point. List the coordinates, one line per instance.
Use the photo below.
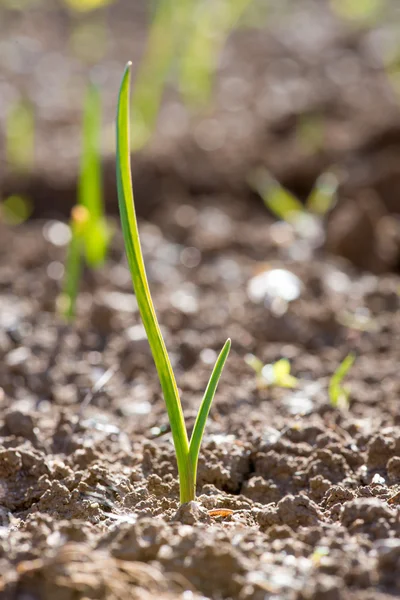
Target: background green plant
(20, 136)
(274, 374)
(186, 36)
(338, 394)
(286, 206)
(90, 232)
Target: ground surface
(88, 490)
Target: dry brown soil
(88, 490)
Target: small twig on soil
(224, 512)
(220, 512)
(100, 383)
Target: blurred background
(221, 87)
(265, 141)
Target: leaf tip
(127, 75)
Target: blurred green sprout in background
(211, 23)
(185, 37)
(275, 374)
(338, 394)
(89, 228)
(163, 41)
(90, 190)
(15, 210)
(183, 47)
(20, 136)
(287, 207)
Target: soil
(296, 499)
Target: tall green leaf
(186, 455)
(141, 287)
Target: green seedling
(90, 233)
(166, 35)
(153, 71)
(319, 553)
(339, 395)
(284, 205)
(20, 136)
(210, 26)
(74, 263)
(16, 209)
(185, 39)
(322, 197)
(187, 451)
(275, 374)
(96, 233)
